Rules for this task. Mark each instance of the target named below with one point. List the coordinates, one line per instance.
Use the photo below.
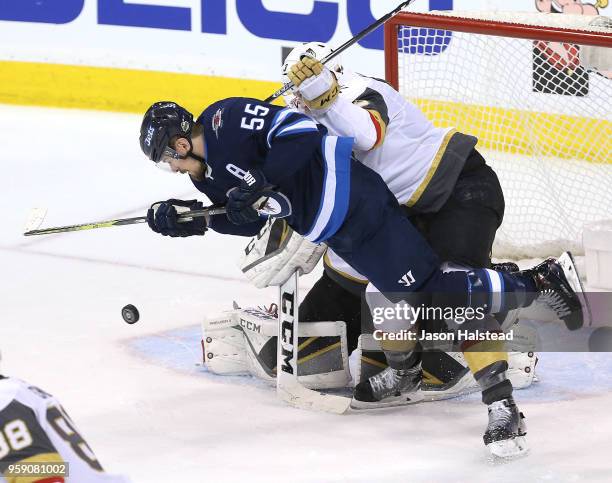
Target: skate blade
(391, 402)
(566, 260)
(509, 448)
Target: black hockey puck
(130, 314)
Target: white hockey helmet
(317, 50)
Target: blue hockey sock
(505, 291)
(494, 291)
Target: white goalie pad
(276, 252)
(521, 369)
(223, 345)
(244, 341)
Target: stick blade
(35, 219)
(301, 397)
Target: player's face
(168, 160)
(173, 156)
(176, 159)
(191, 166)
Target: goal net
(536, 89)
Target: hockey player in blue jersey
(239, 149)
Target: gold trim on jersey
(328, 262)
(432, 169)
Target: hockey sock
(494, 291)
(488, 363)
(402, 360)
(501, 390)
(400, 354)
(507, 291)
(493, 382)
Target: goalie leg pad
(244, 341)
(223, 345)
(521, 369)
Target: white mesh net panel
(543, 118)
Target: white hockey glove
(272, 255)
(315, 83)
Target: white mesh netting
(543, 119)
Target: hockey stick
(122, 221)
(35, 219)
(270, 203)
(288, 387)
(345, 45)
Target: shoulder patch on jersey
(217, 121)
(373, 101)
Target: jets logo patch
(217, 122)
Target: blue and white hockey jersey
(309, 167)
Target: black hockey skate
(391, 387)
(505, 434)
(560, 289)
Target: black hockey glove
(162, 218)
(240, 200)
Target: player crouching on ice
(241, 150)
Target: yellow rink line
(527, 133)
(113, 89)
(128, 90)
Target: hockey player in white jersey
(37, 436)
(445, 187)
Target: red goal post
(482, 26)
(521, 84)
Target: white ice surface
(61, 328)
